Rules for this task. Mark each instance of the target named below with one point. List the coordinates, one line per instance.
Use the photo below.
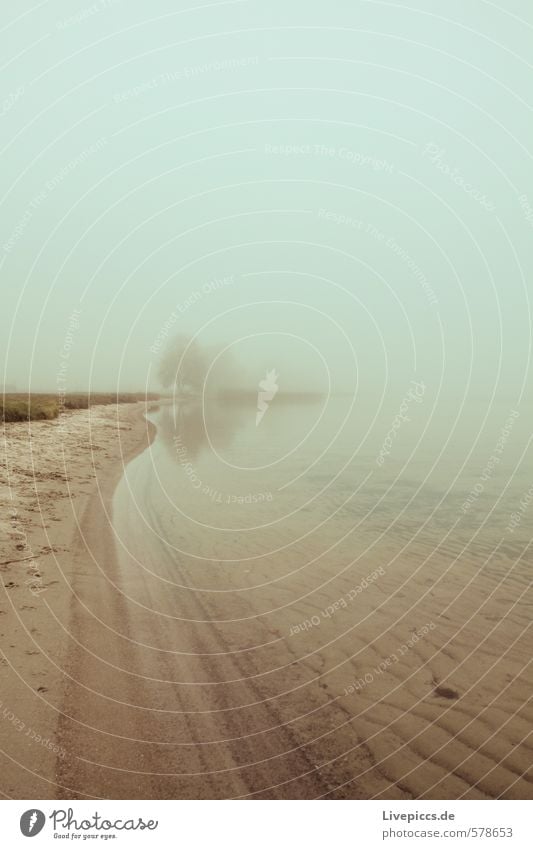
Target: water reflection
(196, 424)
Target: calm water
(324, 482)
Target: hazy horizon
(359, 207)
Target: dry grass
(41, 407)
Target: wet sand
(52, 475)
(195, 663)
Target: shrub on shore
(42, 407)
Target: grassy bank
(41, 407)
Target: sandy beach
(51, 474)
(133, 669)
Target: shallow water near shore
(214, 487)
(358, 600)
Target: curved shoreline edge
(54, 477)
(94, 550)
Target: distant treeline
(41, 407)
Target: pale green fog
(343, 193)
(308, 228)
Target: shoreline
(53, 475)
(94, 541)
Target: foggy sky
(340, 192)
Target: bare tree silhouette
(183, 366)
